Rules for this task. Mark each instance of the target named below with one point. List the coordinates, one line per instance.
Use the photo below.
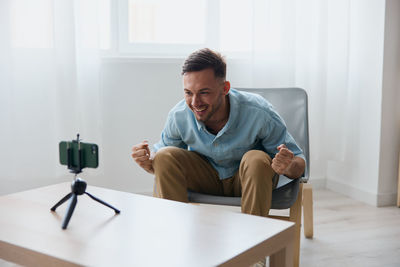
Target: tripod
(78, 187)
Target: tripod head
(78, 186)
(78, 168)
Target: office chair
(292, 105)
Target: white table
(147, 232)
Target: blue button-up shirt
(252, 124)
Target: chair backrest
(292, 106)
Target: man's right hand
(141, 154)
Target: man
(220, 141)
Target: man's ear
(227, 87)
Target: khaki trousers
(178, 170)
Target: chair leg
(295, 216)
(398, 187)
(308, 211)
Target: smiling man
(220, 141)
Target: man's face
(205, 95)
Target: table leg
(283, 257)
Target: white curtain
(331, 48)
(49, 86)
(282, 43)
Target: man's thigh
(200, 175)
(233, 186)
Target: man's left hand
(282, 160)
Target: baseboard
(377, 200)
(352, 192)
(317, 182)
(388, 199)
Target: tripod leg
(59, 203)
(70, 210)
(102, 202)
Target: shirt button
(215, 144)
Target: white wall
(136, 97)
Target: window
(166, 22)
(162, 28)
(175, 28)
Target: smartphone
(69, 154)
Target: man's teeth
(199, 110)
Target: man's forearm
(296, 168)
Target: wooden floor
(347, 233)
(350, 233)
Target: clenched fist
(282, 160)
(142, 156)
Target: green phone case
(90, 154)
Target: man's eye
(188, 93)
(204, 93)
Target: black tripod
(78, 187)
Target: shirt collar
(200, 125)
(233, 113)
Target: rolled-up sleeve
(276, 134)
(170, 136)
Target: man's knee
(256, 158)
(168, 151)
(165, 157)
(256, 167)
(169, 174)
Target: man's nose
(195, 100)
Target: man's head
(205, 59)
(206, 90)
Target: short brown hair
(205, 59)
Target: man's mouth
(200, 109)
